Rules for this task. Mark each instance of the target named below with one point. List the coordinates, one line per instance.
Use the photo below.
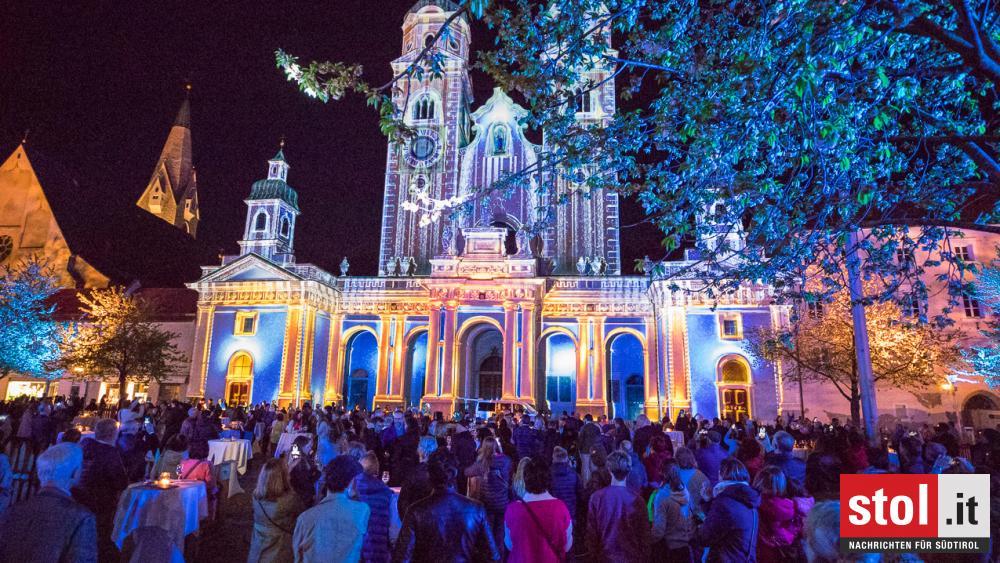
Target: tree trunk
(122, 382)
(866, 380)
(855, 405)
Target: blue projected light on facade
(266, 356)
(360, 367)
(560, 373)
(626, 368)
(417, 362)
(319, 358)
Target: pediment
(250, 268)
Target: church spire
(172, 192)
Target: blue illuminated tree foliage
(985, 359)
(29, 337)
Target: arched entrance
(734, 388)
(416, 369)
(981, 410)
(626, 362)
(558, 354)
(239, 379)
(480, 376)
(360, 367)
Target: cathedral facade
(483, 310)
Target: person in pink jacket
(783, 510)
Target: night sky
(98, 85)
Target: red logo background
(892, 486)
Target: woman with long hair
(518, 486)
(493, 468)
(275, 509)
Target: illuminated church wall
(320, 356)
(264, 346)
(709, 350)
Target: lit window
(814, 309)
(581, 101)
(963, 253)
(424, 107)
(260, 222)
(730, 327)
(972, 308)
(501, 141)
(246, 323)
(286, 227)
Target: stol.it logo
(915, 513)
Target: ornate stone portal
(484, 257)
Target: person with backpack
(672, 518)
(537, 527)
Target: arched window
(429, 40)
(500, 141)
(734, 389)
(734, 372)
(240, 366)
(423, 107)
(286, 227)
(260, 221)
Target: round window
(422, 147)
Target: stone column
(509, 391)
(386, 327)
(447, 394)
(292, 350)
(334, 369)
(434, 359)
(528, 359)
(651, 381)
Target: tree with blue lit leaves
(30, 337)
(984, 359)
(118, 340)
(837, 135)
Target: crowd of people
(409, 486)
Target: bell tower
(437, 108)
(271, 212)
(587, 225)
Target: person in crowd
(404, 454)
(445, 526)
(710, 454)
(694, 480)
(275, 431)
(822, 533)
(617, 520)
(302, 471)
(198, 468)
(537, 527)
(103, 478)
(51, 526)
(417, 483)
(383, 522)
(784, 458)
(673, 521)
(526, 439)
(493, 470)
(565, 485)
(517, 485)
(783, 511)
(823, 468)
(656, 462)
(588, 437)
(463, 445)
(171, 457)
(276, 506)
(643, 435)
(334, 529)
(731, 522)
(43, 428)
(637, 478)
(751, 455)
(855, 456)
(190, 423)
(71, 435)
(911, 456)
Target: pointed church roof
(176, 157)
(120, 240)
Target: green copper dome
(273, 188)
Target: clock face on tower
(423, 150)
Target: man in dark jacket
(566, 484)
(103, 479)
(644, 432)
(417, 482)
(525, 438)
(731, 521)
(782, 457)
(709, 455)
(370, 490)
(617, 519)
(463, 446)
(445, 526)
(404, 452)
(589, 436)
(51, 526)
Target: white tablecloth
(221, 451)
(285, 442)
(177, 510)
